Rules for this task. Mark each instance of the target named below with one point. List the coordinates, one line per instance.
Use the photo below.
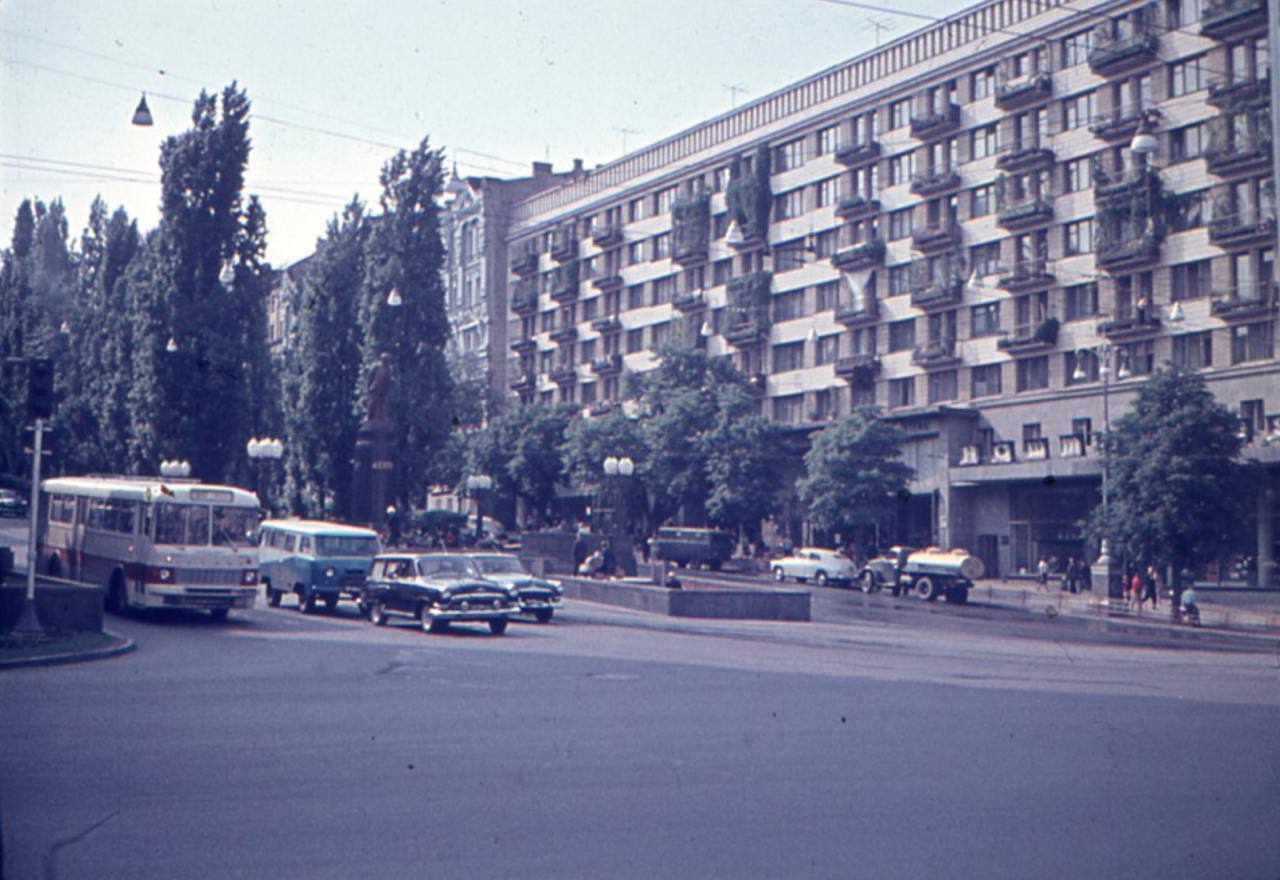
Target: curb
(121, 646)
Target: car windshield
(346, 545)
(500, 565)
(446, 565)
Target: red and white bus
(152, 542)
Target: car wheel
(779, 575)
(377, 613)
(543, 615)
(498, 626)
(306, 600)
(820, 578)
(867, 582)
(330, 603)
(438, 626)
(958, 595)
(897, 589)
(926, 589)
(218, 614)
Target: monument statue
(378, 391)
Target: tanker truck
(928, 573)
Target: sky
(338, 87)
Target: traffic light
(40, 388)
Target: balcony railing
(1030, 337)
(1121, 122)
(1238, 92)
(690, 229)
(858, 313)
(1133, 246)
(612, 281)
(565, 335)
(936, 237)
(564, 244)
(854, 207)
(1242, 227)
(689, 301)
(607, 235)
(1236, 153)
(524, 346)
(565, 374)
(606, 324)
(1128, 186)
(1019, 93)
(1026, 275)
(524, 380)
(970, 455)
(524, 301)
(1254, 300)
(935, 293)
(1125, 325)
(859, 370)
(858, 152)
(1030, 211)
(862, 255)
(1231, 17)
(1025, 158)
(935, 121)
(607, 365)
(564, 282)
(747, 332)
(933, 182)
(939, 352)
(1113, 53)
(525, 263)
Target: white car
(815, 563)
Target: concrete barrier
(717, 603)
(61, 606)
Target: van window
(304, 544)
(266, 537)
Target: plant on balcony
(1047, 331)
(749, 299)
(749, 196)
(690, 227)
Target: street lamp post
(1107, 355)
(264, 450)
(476, 485)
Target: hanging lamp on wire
(142, 116)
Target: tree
(743, 470)
(1176, 490)
(405, 254)
(853, 475)
(323, 370)
(589, 441)
(534, 436)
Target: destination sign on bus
(212, 495)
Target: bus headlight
(164, 575)
(249, 576)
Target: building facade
(994, 228)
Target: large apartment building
(994, 228)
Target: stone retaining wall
(718, 602)
(61, 606)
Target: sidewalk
(1262, 616)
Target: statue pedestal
(373, 482)
(1106, 577)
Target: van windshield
(346, 545)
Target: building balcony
(859, 370)
(857, 207)
(1026, 275)
(1121, 123)
(524, 302)
(1028, 158)
(936, 237)
(607, 365)
(1240, 93)
(565, 374)
(607, 235)
(860, 313)
(1254, 301)
(858, 153)
(689, 301)
(746, 333)
(1240, 154)
(936, 353)
(1231, 17)
(1115, 54)
(524, 381)
(565, 335)
(601, 408)
(1035, 449)
(1022, 93)
(690, 229)
(1034, 337)
(933, 183)
(564, 282)
(938, 293)
(1122, 252)
(524, 346)
(606, 324)
(935, 123)
(1072, 445)
(526, 263)
(564, 245)
(1029, 212)
(1135, 186)
(607, 282)
(1249, 227)
(863, 255)
(1129, 326)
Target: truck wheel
(779, 575)
(868, 582)
(820, 578)
(896, 589)
(958, 595)
(306, 600)
(377, 613)
(926, 589)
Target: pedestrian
(1042, 571)
(1135, 589)
(609, 561)
(644, 549)
(1143, 305)
(579, 552)
(1189, 607)
(1153, 586)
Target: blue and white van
(316, 561)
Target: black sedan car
(12, 503)
(538, 596)
(437, 590)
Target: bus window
(234, 526)
(170, 524)
(198, 525)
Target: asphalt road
(615, 744)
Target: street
(616, 744)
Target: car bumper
(470, 614)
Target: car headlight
(330, 572)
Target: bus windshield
(199, 525)
(346, 545)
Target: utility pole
(28, 623)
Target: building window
(985, 380)
(1079, 110)
(789, 155)
(828, 191)
(719, 226)
(662, 200)
(902, 392)
(828, 349)
(899, 113)
(789, 409)
(787, 306)
(721, 271)
(788, 204)
(635, 340)
(662, 246)
(1138, 357)
(1078, 237)
(942, 386)
(824, 243)
(1253, 342)
(1180, 13)
(985, 320)
(1075, 48)
(901, 168)
(985, 141)
(985, 258)
(635, 253)
(983, 83)
(1080, 301)
(636, 210)
(982, 200)
(1077, 175)
(1190, 280)
(660, 334)
(1033, 373)
(902, 335)
(899, 224)
(1185, 77)
(1187, 142)
(828, 140)
(788, 257)
(635, 296)
(899, 279)
(663, 290)
(826, 296)
(1080, 367)
(1193, 351)
(1187, 211)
